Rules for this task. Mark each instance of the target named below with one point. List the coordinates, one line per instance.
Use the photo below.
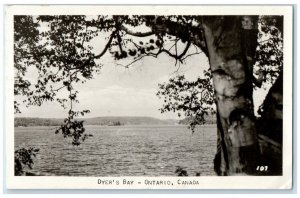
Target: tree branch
(120, 43)
(135, 60)
(174, 29)
(178, 57)
(137, 34)
(113, 34)
(192, 54)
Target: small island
(118, 123)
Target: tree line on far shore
(106, 121)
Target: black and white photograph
(149, 97)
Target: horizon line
(98, 117)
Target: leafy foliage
(269, 54)
(73, 128)
(25, 37)
(58, 55)
(24, 159)
(192, 99)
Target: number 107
(262, 168)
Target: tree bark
(231, 43)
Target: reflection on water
(122, 151)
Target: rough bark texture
(230, 41)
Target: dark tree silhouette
(24, 160)
(59, 48)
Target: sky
(119, 91)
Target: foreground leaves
(24, 159)
(192, 99)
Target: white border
(207, 182)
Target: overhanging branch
(107, 44)
(137, 34)
(182, 31)
(86, 62)
(177, 57)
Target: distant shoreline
(102, 121)
(140, 125)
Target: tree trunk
(231, 43)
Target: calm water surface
(122, 151)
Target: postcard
(148, 97)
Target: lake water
(122, 151)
